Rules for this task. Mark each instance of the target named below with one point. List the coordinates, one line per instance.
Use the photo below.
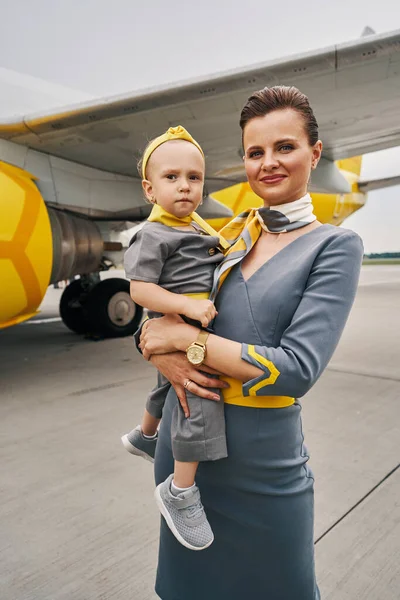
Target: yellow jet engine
(26, 247)
(40, 245)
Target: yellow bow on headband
(173, 133)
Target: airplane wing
(353, 87)
(378, 184)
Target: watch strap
(202, 338)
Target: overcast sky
(106, 47)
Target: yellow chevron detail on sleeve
(274, 372)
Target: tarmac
(77, 516)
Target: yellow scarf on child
(159, 215)
(236, 239)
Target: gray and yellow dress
(182, 262)
(288, 316)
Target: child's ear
(148, 190)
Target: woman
(287, 288)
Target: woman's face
(278, 157)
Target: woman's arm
(310, 340)
(161, 336)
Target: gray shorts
(199, 438)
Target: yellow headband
(173, 133)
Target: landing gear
(100, 308)
(71, 307)
(111, 311)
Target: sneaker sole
(171, 525)
(133, 450)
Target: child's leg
(149, 424)
(155, 404)
(142, 440)
(201, 437)
(184, 474)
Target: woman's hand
(183, 375)
(160, 336)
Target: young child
(171, 263)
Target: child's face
(175, 177)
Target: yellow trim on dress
(274, 373)
(234, 395)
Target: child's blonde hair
(173, 133)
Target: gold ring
(186, 384)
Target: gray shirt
(180, 261)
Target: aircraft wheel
(71, 309)
(111, 310)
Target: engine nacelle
(77, 245)
(37, 246)
(26, 248)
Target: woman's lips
(273, 179)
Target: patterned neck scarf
(243, 231)
(287, 217)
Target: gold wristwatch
(196, 353)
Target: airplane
(69, 185)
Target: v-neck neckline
(278, 253)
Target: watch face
(195, 355)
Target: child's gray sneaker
(137, 444)
(185, 516)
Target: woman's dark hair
(280, 97)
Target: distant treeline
(383, 255)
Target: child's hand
(200, 310)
